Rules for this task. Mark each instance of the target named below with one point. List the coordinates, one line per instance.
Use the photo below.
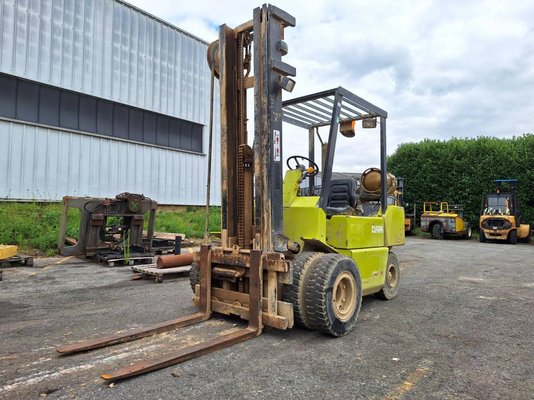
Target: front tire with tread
(333, 277)
(295, 293)
(512, 237)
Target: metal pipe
(172, 260)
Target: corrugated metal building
(98, 98)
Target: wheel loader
(288, 255)
(500, 217)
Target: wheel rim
(344, 296)
(392, 277)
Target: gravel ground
(462, 327)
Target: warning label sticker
(277, 152)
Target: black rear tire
(469, 233)
(437, 231)
(295, 293)
(333, 294)
(390, 290)
(512, 237)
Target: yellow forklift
(500, 217)
(287, 254)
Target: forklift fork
(253, 329)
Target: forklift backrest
(342, 197)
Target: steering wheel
(302, 166)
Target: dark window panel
(34, 102)
(27, 101)
(120, 121)
(196, 144)
(150, 127)
(88, 114)
(175, 130)
(8, 96)
(68, 110)
(135, 127)
(104, 118)
(162, 138)
(186, 136)
(49, 106)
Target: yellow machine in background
(500, 217)
(7, 251)
(442, 220)
(409, 218)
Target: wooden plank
(149, 270)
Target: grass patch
(34, 227)
(189, 222)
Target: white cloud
(440, 69)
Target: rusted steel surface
(256, 290)
(132, 335)
(97, 231)
(181, 355)
(172, 260)
(254, 328)
(202, 315)
(273, 262)
(245, 177)
(229, 131)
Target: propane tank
(371, 184)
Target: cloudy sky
(441, 69)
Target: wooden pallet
(158, 273)
(17, 260)
(112, 261)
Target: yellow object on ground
(7, 251)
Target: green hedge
(461, 171)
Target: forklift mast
(248, 222)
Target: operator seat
(342, 197)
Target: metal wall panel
(44, 164)
(108, 49)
